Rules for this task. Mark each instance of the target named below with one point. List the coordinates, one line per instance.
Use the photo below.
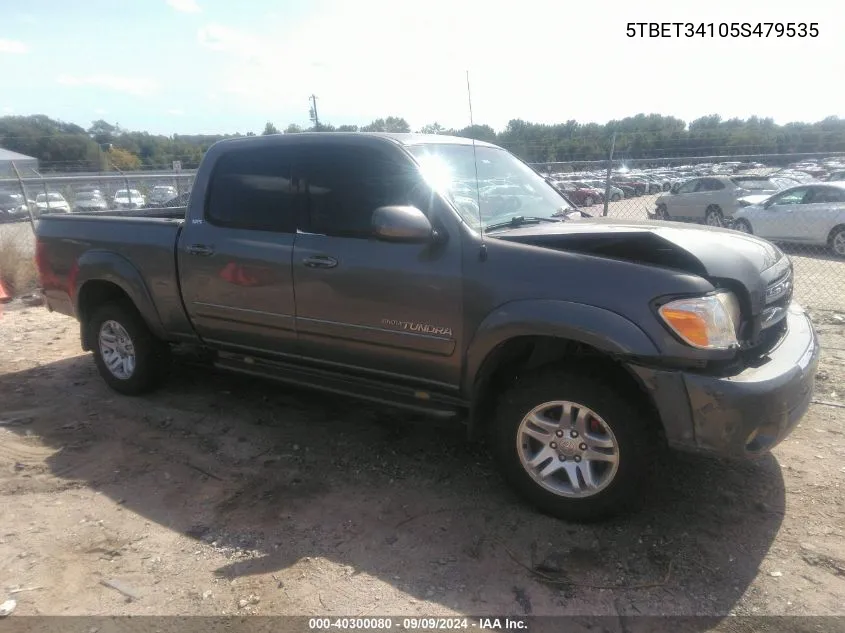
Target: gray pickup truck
(447, 277)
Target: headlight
(709, 322)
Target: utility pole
(314, 117)
(607, 178)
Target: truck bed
(144, 240)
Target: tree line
(62, 146)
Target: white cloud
(13, 46)
(176, 112)
(136, 86)
(185, 6)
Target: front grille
(778, 298)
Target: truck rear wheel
(129, 358)
(573, 446)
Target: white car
(811, 214)
(129, 199)
(46, 203)
(711, 198)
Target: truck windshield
(506, 187)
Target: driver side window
(690, 186)
(796, 196)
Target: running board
(424, 402)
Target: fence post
(25, 199)
(607, 178)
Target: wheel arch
(508, 346)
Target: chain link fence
(795, 201)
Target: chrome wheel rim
(117, 350)
(743, 227)
(839, 243)
(714, 219)
(568, 449)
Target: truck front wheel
(129, 358)
(574, 446)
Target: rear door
(818, 214)
(235, 262)
(366, 305)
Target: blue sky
(205, 66)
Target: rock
(775, 574)
(7, 608)
(243, 603)
(253, 599)
(206, 594)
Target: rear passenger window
(342, 186)
(251, 189)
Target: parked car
(162, 193)
(578, 346)
(805, 214)
(581, 194)
(616, 193)
(637, 186)
(13, 207)
(176, 201)
(88, 201)
(51, 202)
(710, 199)
(836, 176)
(129, 199)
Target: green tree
(123, 160)
(270, 129)
(390, 124)
(293, 128)
(432, 128)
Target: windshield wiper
(519, 220)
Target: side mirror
(402, 224)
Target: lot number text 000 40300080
(722, 29)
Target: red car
(580, 194)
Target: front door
(777, 220)
(390, 309)
(235, 263)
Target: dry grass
(17, 265)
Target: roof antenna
(482, 254)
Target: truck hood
(719, 255)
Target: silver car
(812, 214)
(711, 198)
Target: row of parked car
(589, 187)
(13, 207)
(797, 209)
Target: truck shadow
(276, 477)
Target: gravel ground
(221, 495)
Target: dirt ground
(222, 494)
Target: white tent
(25, 164)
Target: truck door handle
(320, 261)
(200, 249)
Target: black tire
(743, 227)
(615, 197)
(667, 186)
(152, 356)
(662, 212)
(636, 438)
(836, 240)
(588, 201)
(713, 217)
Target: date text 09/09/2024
(722, 29)
(418, 624)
